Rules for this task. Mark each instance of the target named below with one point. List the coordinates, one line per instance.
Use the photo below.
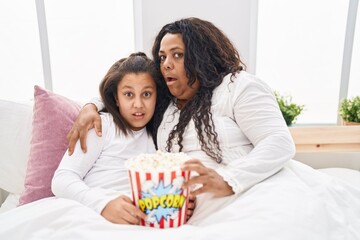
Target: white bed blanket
(295, 204)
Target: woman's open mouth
(170, 80)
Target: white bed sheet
(296, 203)
(351, 176)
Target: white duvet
(296, 203)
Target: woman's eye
(162, 58)
(178, 55)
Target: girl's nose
(138, 102)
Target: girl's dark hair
(209, 56)
(135, 63)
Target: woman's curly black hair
(209, 56)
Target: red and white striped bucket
(160, 196)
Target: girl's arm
(68, 181)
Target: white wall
(238, 19)
(232, 16)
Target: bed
(262, 212)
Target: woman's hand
(191, 206)
(88, 118)
(121, 210)
(208, 178)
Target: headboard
(326, 139)
(327, 146)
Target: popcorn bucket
(159, 195)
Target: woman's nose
(168, 64)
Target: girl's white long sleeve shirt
(96, 177)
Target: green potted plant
(349, 110)
(289, 110)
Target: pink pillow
(53, 116)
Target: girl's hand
(88, 118)
(121, 210)
(208, 178)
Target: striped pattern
(137, 181)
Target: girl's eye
(147, 94)
(162, 58)
(128, 94)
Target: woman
(229, 122)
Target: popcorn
(159, 161)
(156, 184)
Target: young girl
(98, 178)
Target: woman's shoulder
(242, 78)
(244, 81)
(239, 86)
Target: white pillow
(16, 125)
(10, 202)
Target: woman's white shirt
(98, 176)
(252, 133)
